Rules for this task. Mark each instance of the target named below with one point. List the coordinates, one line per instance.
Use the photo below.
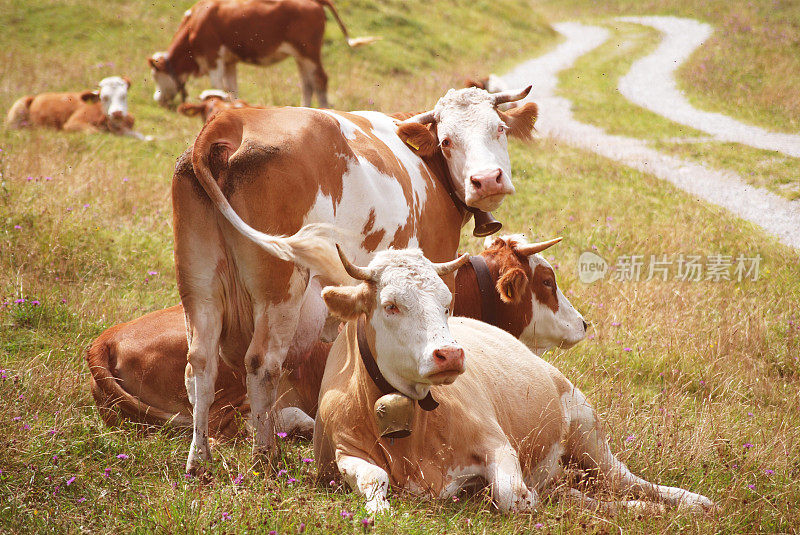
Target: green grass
(704, 355)
(591, 84)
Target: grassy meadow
(697, 381)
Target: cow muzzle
(448, 364)
(487, 189)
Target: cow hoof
(378, 506)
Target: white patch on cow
(385, 129)
(114, 96)
(215, 93)
(187, 13)
(346, 126)
(166, 86)
(509, 490)
(548, 470)
(459, 478)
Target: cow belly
(283, 51)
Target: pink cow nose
(488, 182)
(449, 359)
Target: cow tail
(19, 113)
(352, 42)
(114, 402)
(311, 247)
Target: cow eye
(446, 142)
(391, 309)
(447, 311)
(501, 129)
(548, 283)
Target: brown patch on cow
(520, 120)
(371, 239)
(503, 261)
(544, 287)
(480, 83)
(90, 96)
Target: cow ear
(190, 110)
(90, 96)
(156, 63)
(127, 81)
(511, 285)
(520, 120)
(347, 302)
(419, 137)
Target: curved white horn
(529, 249)
(511, 96)
(421, 118)
(445, 268)
(357, 272)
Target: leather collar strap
(427, 403)
(486, 289)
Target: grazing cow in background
(138, 367)
(275, 170)
(215, 35)
(100, 110)
(506, 417)
(492, 84)
(212, 101)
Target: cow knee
(253, 363)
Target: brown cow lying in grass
(500, 415)
(137, 368)
(103, 110)
(212, 101)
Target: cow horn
(511, 96)
(445, 268)
(533, 248)
(421, 118)
(359, 273)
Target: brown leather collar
(427, 403)
(486, 289)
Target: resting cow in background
(490, 411)
(103, 110)
(274, 170)
(212, 101)
(215, 35)
(137, 368)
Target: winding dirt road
(773, 213)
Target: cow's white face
(407, 306)
(166, 86)
(562, 327)
(472, 137)
(114, 96)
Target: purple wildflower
(282, 472)
(308, 460)
(751, 486)
(16, 418)
(769, 471)
(26, 427)
(238, 479)
(107, 472)
(747, 445)
(86, 205)
(35, 303)
(225, 515)
(152, 272)
(281, 435)
(630, 438)
(627, 349)
(291, 480)
(81, 500)
(615, 324)
(538, 525)
(367, 522)
(346, 514)
(123, 456)
(70, 481)
(19, 301)
(332, 483)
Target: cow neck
(486, 289)
(427, 403)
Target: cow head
(212, 101)
(470, 131)
(169, 84)
(407, 306)
(526, 279)
(114, 96)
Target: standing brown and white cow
(215, 35)
(255, 171)
(137, 368)
(500, 414)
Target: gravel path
(772, 212)
(651, 84)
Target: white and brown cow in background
(212, 101)
(505, 417)
(215, 35)
(274, 170)
(492, 84)
(100, 110)
(137, 368)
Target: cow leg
(293, 421)
(306, 68)
(368, 480)
(229, 82)
(509, 490)
(216, 75)
(587, 446)
(201, 373)
(579, 500)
